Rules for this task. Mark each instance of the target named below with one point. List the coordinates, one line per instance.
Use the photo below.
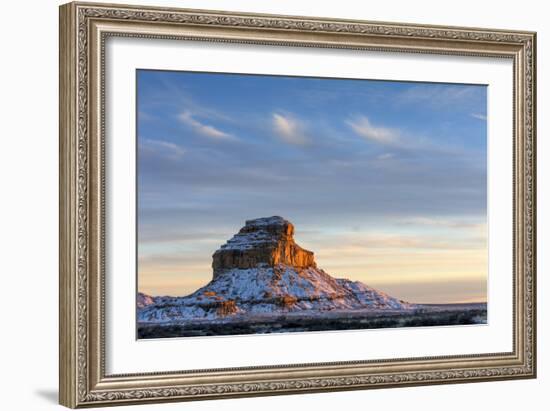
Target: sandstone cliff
(263, 242)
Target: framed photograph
(259, 204)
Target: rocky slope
(262, 271)
(143, 300)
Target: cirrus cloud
(289, 129)
(163, 148)
(481, 117)
(206, 130)
(362, 126)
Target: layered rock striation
(263, 242)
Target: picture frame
(84, 30)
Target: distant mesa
(264, 242)
(261, 271)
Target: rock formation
(262, 271)
(143, 300)
(263, 242)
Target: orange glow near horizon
(414, 271)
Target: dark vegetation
(418, 318)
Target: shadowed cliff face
(263, 242)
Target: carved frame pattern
(82, 38)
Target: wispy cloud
(364, 128)
(175, 94)
(203, 129)
(164, 148)
(443, 222)
(145, 116)
(355, 244)
(439, 96)
(385, 156)
(482, 117)
(395, 138)
(289, 129)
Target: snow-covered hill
(143, 300)
(262, 271)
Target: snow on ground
(269, 290)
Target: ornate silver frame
(84, 28)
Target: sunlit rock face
(263, 242)
(144, 300)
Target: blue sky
(384, 181)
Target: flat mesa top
(260, 231)
(264, 221)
